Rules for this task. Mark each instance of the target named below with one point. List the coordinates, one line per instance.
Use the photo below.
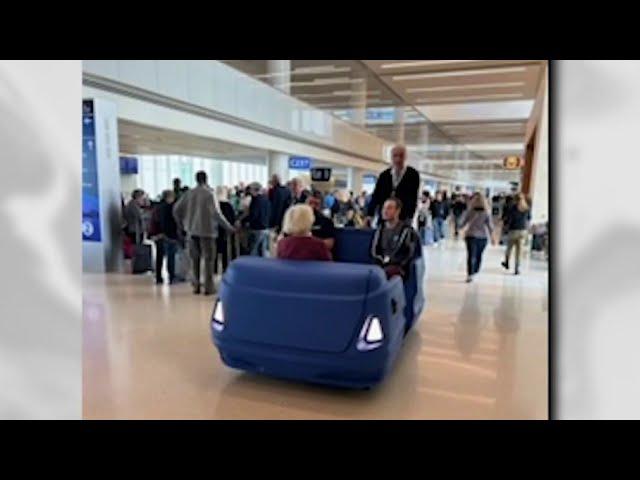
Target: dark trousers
(475, 248)
(456, 223)
(166, 247)
(222, 253)
(232, 239)
(202, 248)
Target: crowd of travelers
(211, 226)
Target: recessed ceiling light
(305, 71)
(338, 93)
(463, 161)
(459, 73)
(480, 129)
(465, 87)
(325, 81)
(482, 125)
(320, 69)
(422, 63)
(470, 97)
(507, 147)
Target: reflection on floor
(479, 351)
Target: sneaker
(209, 292)
(159, 281)
(469, 278)
(517, 272)
(196, 290)
(505, 265)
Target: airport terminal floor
(478, 351)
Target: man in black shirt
(166, 236)
(298, 192)
(257, 221)
(438, 214)
(280, 200)
(323, 227)
(458, 208)
(177, 188)
(401, 181)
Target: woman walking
(516, 219)
(477, 221)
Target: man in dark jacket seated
(394, 242)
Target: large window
(158, 171)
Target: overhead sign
(320, 174)
(380, 114)
(90, 192)
(369, 179)
(512, 162)
(128, 165)
(299, 163)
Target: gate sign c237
(299, 163)
(90, 192)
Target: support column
(278, 163)
(399, 124)
(539, 184)
(101, 201)
(279, 74)
(280, 77)
(355, 180)
(359, 103)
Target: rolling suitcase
(183, 265)
(142, 259)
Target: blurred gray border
(595, 237)
(40, 279)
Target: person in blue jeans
(477, 222)
(167, 236)
(438, 215)
(257, 221)
(423, 216)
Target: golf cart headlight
(371, 335)
(218, 316)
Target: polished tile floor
(479, 351)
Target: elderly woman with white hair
(298, 243)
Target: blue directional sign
(128, 165)
(299, 163)
(90, 192)
(381, 114)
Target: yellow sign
(513, 162)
